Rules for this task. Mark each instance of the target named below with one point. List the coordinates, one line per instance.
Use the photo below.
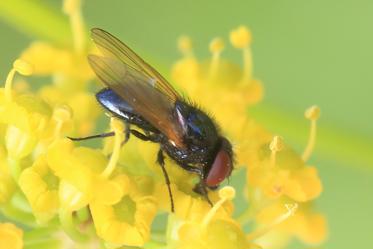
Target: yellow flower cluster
(108, 196)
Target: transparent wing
(112, 47)
(138, 90)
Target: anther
(313, 114)
(241, 38)
(216, 47)
(61, 115)
(185, 46)
(72, 9)
(23, 68)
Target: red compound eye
(220, 169)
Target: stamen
(227, 193)
(61, 115)
(276, 145)
(23, 68)
(260, 232)
(73, 9)
(216, 47)
(241, 38)
(118, 127)
(313, 114)
(185, 46)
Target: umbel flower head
(65, 194)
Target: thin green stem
(38, 234)
(44, 244)
(17, 215)
(333, 141)
(37, 19)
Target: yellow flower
(306, 224)
(234, 87)
(40, 186)
(210, 229)
(26, 118)
(126, 222)
(218, 234)
(78, 169)
(111, 195)
(11, 237)
(289, 176)
(59, 62)
(7, 184)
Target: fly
(140, 96)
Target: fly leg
(189, 168)
(201, 189)
(127, 132)
(102, 135)
(160, 161)
(145, 137)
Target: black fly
(137, 94)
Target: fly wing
(112, 47)
(138, 89)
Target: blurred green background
(306, 52)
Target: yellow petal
(10, 236)
(107, 192)
(18, 142)
(71, 198)
(304, 185)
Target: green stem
(15, 168)
(37, 19)
(83, 214)
(18, 215)
(68, 225)
(44, 244)
(159, 236)
(19, 201)
(38, 234)
(152, 244)
(246, 216)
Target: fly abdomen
(119, 108)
